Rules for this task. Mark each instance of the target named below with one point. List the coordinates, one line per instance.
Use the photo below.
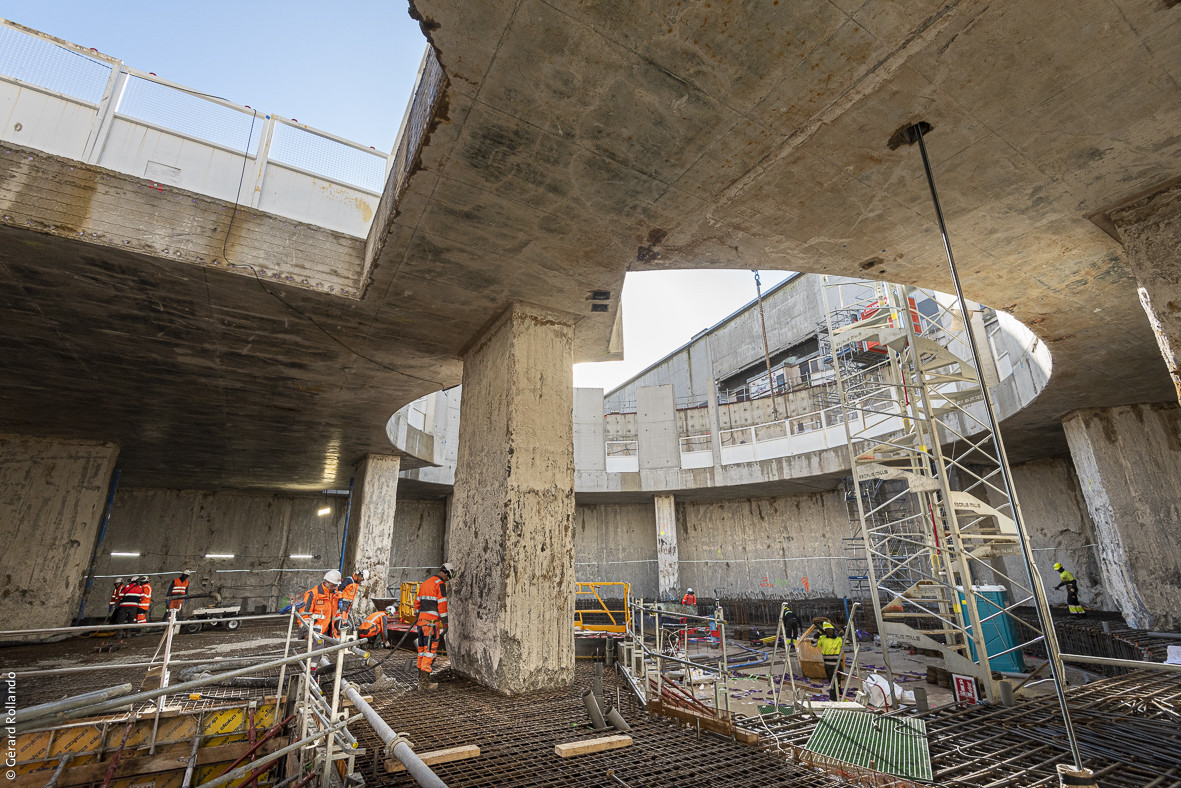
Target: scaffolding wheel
(233, 624)
(191, 629)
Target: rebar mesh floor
(1128, 731)
(516, 737)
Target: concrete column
(667, 563)
(1128, 461)
(371, 530)
(659, 444)
(512, 521)
(1150, 230)
(52, 494)
(590, 454)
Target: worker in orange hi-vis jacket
(431, 606)
(318, 605)
(178, 591)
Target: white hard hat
(364, 575)
(449, 568)
(332, 576)
(688, 590)
(119, 581)
(186, 571)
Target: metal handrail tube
(242, 771)
(99, 708)
(703, 666)
(118, 665)
(395, 743)
(72, 703)
(146, 625)
(673, 613)
(1122, 663)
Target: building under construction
(908, 518)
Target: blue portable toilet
(1000, 633)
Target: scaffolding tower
(927, 496)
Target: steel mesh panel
(190, 114)
(54, 67)
(323, 156)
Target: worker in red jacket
(116, 594)
(129, 602)
(431, 606)
(145, 599)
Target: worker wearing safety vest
(319, 604)
(431, 606)
(791, 625)
(1072, 602)
(129, 600)
(145, 599)
(373, 628)
(831, 645)
(178, 591)
(116, 593)
(346, 596)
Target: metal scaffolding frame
(931, 509)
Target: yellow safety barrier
(617, 610)
(409, 593)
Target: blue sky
(349, 69)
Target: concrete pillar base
(512, 519)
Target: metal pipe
(20, 674)
(1122, 663)
(286, 651)
(395, 744)
(1043, 607)
(148, 625)
(34, 712)
(57, 773)
(348, 510)
(188, 778)
(99, 708)
(242, 771)
(271, 733)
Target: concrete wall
(765, 547)
(175, 529)
(617, 543)
(1060, 529)
(52, 494)
(419, 528)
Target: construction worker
(1073, 606)
(128, 609)
(431, 606)
(178, 591)
(319, 604)
(373, 628)
(791, 625)
(145, 599)
(347, 595)
(116, 593)
(831, 644)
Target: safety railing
(612, 614)
(80, 104)
(623, 456)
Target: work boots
(424, 681)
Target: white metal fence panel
(38, 119)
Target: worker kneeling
(431, 606)
(373, 628)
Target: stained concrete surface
(1129, 465)
(52, 496)
(511, 529)
(372, 526)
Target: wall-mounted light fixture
(219, 555)
(118, 554)
(301, 555)
(324, 511)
